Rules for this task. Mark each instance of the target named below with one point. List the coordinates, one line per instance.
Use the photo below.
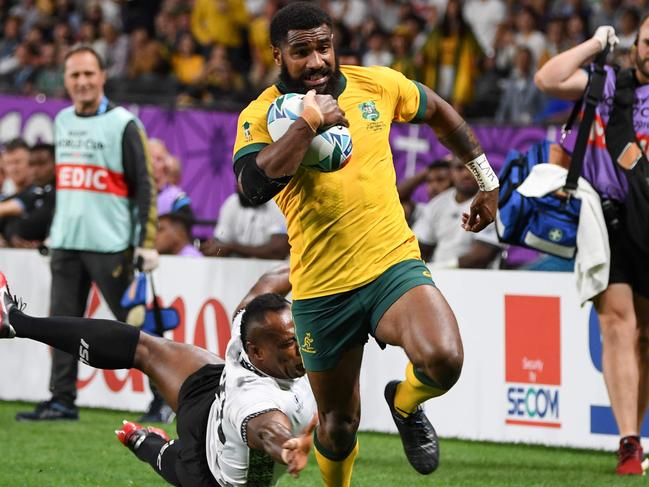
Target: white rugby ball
(330, 149)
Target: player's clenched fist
(327, 105)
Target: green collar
(342, 84)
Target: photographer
(616, 167)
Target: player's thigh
(422, 323)
(337, 390)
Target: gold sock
(335, 473)
(412, 391)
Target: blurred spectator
(628, 28)
(62, 35)
(113, 48)
(147, 60)
(19, 71)
(219, 22)
(528, 35)
(171, 198)
(576, 31)
(348, 56)
(555, 39)
(484, 16)
(351, 13)
(608, 13)
(218, 78)
(174, 170)
(15, 160)
(443, 241)
(31, 210)
(436, 177)
(28, 12)
(505, 49)
(450, 58)
(263, 71)
(403, 60)
(49, 78)
(377, 53)
(10, 37)
(87, 33)
(244, 230)
(521, 100)
(387, 13)
(173, 237)
(186, 62)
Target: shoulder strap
(593, 95)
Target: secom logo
(533, 360)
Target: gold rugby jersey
(345, 227)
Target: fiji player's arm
(456, 135)
(271, 432)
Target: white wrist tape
(483, 173)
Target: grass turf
(86, 453)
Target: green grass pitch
(86, 453)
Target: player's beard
(298, 86)
(642, 64)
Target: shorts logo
(246, 131)
(427, 274)
(307, 344)
(369, 111)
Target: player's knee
(338, 430)
(443, 366)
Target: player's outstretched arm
(456, 135)
(271, 432)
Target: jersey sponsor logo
(307, 344)
(533, 361)
(246, 131)
(369, 111)
(82, 177)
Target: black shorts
(629, 263)
(194, 402)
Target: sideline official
(105, 214)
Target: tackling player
(355, 264)
(238, 422)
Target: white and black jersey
(245, 393)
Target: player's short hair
(45, 147)
(256, 310)
(77, 48)
(15, 144)
(296, 16)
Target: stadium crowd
(478, 54)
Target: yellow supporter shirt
(345, 227)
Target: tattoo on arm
(462, 142)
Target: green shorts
(329, 325)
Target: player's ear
(253, 351)
(277, 55)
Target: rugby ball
(330, 149)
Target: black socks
(104, 344)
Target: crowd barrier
(532, 369)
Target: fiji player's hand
(328, 107)
(295, 452)
(483, 211)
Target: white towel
(593, 260)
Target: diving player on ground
(355, 264)
(242, 422)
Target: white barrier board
(532, 370)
